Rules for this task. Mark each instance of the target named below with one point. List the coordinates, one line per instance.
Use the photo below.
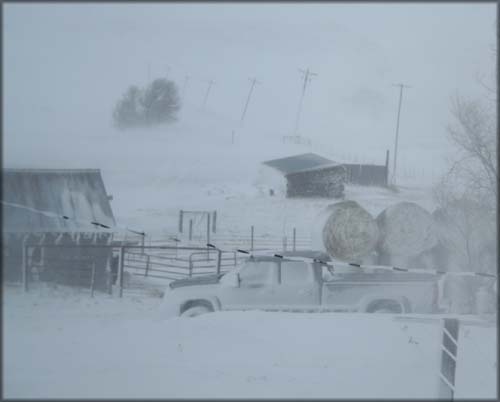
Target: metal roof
(298, 163)
(35, 200)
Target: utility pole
(401, 86)
(307, 77)
(210, 83)
(254, 81)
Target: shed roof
(298, 163)
(320, 167)
(36, 199)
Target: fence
(141, 263)
(251, 240)
(175, 265)
(131, 267)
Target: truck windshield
(257, 273)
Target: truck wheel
(195, 311)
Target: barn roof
(35, 200)
(298, 163)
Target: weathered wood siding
(367, 175)
(326, 182)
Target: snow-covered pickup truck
(285, 284)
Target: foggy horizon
(66, 65)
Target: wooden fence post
(208, 227)
(294, 238)
(214, 222)
(284, 243)
(181, 212)
(190, 229)
(147, 265)
(190, 266)
(219, 257)
(25, 266)
(208, 234)
(251, 237)
(120, 271)
(92, 280)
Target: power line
(401, 86)
(51, 214)
(307, 77)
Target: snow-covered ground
(60, 343)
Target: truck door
(256, 290)
(298, 285)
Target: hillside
(193, 165)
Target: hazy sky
(66, 64)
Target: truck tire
(195, 311)
(385, 306)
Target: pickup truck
(286, 284)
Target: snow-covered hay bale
(346, 231)
(406, 230)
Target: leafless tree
(467, 193)
(465, 229)
(473, 134)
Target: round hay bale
(349, 232)
(317, 228)
(406, 230)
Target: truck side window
(257, 273)
(327, 273)
(295, 272)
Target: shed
(310, 175)
(54, 207)
(368, 174)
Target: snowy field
(60, 343)
(152, 174)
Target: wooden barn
(56, 207)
